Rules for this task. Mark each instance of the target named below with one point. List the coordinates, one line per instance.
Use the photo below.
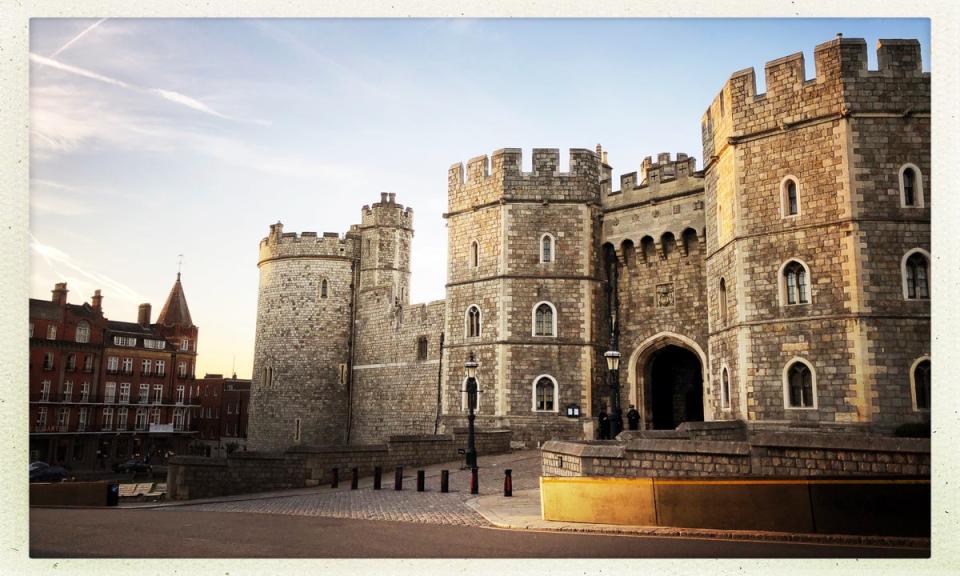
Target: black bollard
(474, 481)
(354, 478)
(335, 478)
(421, 480)
(376, 477)
(444, 481)
(508, 482)
(398, 478)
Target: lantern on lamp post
(616, 416)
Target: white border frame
(556, 395)
(918, 193)
(553, 248)
(782, 283)
(903, 274)
(533, 320)
(913, 384)
(786, 384)
(784, 200)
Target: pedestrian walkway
(458, 507)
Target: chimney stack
(60, 293)
(97, 299)
(143, 315)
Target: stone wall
(191, 477)
(763, 455)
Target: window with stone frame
(724, 389)
(474, 254)
(545, 395)
(911, 186)
(324, 288)
(796, 283)
(800, 386)
(544, 320)
(790, 197)
(106, 419)
(916, 270)
(473, 322)
(422, 348)
(546, 249)
(722, 298)
(921, 385)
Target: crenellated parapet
(488, 179)
(279, 244)
(842, 86)
(387, 212)
(665, 178)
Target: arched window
(795, 282)
(916, 274)
(789, 197)
(545, 394)
(724, 389)
(668, 244)
(546, 249)
(473, 322)
(800, 384)
(324, 288)
(83, 332)
(911, 186)
(474, 254)
(722, 297)
(920, 381)
(544, 319)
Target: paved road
(188, 533)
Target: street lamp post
(616, 416)
(471, 370)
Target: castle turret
(299, 393)
(386, 232)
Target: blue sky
(156, 137)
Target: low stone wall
(190, 477)
(764, 455)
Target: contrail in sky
(78, 36)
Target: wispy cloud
(78, 36)
(62, 264)
(169, 95)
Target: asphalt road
(112, 533)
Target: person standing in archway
(633, 418)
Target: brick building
(783, 285)
(222, 418)
(107, 390)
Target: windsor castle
(784, 284)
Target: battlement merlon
(661, 179)
(280, 244)
(387, 212)
(842, 85)
(487, 179)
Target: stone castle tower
(299, 392)
(785, 284)
(523, 290)
(809, 231)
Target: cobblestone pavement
(408, 505)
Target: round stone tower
(299, 393)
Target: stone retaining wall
(190, 477)
(763, 455)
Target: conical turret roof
(175, 310)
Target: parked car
(43, 472)
(133, 465)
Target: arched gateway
(665, 379)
